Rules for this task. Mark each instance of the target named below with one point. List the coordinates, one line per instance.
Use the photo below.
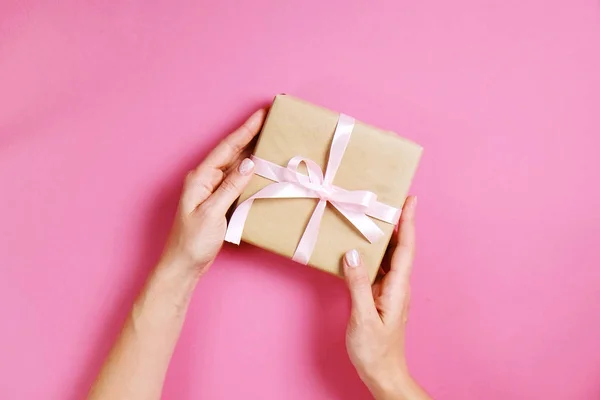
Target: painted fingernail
(246, 166)
(414, 203)
(352, 258)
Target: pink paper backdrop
(104, 105)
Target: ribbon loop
(355, 205)
(315, 175)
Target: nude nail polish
(246, 166)
(352, 258)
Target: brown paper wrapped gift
(375, 160)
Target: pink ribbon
(355, 205)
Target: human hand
(208, 193)
(376, 330)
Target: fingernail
(352, 258)
(246, 166)
(414, 204)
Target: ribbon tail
(362, 222)
(279, 190)
(235, 228)
(268, 170)
(384, 213)
(309, 237)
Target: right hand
(376, 330)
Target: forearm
(137, 364)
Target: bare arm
(137, 364)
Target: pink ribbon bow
(355, 205)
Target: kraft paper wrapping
(375, 160)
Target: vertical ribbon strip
(355, 205)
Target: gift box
(323, 184)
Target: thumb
(359, 284)
(232, 187)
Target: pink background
(104, 105)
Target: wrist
(184, 264)
(170, 286)
(178, 273)
(392, 386)
(159, 311)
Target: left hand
(208, 193)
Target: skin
(375, 337)
(136, 366)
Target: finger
(204, 179)
(404, 252)
(406, 308)
(231, 188)
(359, 284)
(199, 185)
(227, 151)
(396, 281)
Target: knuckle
(233, 146)
(205, 189)
(403, 293)
(354, 322)
(405, 247)
(205, 211)
(229, 186)
(360, 281)
(190, 176)
(194, 186)
(362, 321)
(247, 131)
(406, 219)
